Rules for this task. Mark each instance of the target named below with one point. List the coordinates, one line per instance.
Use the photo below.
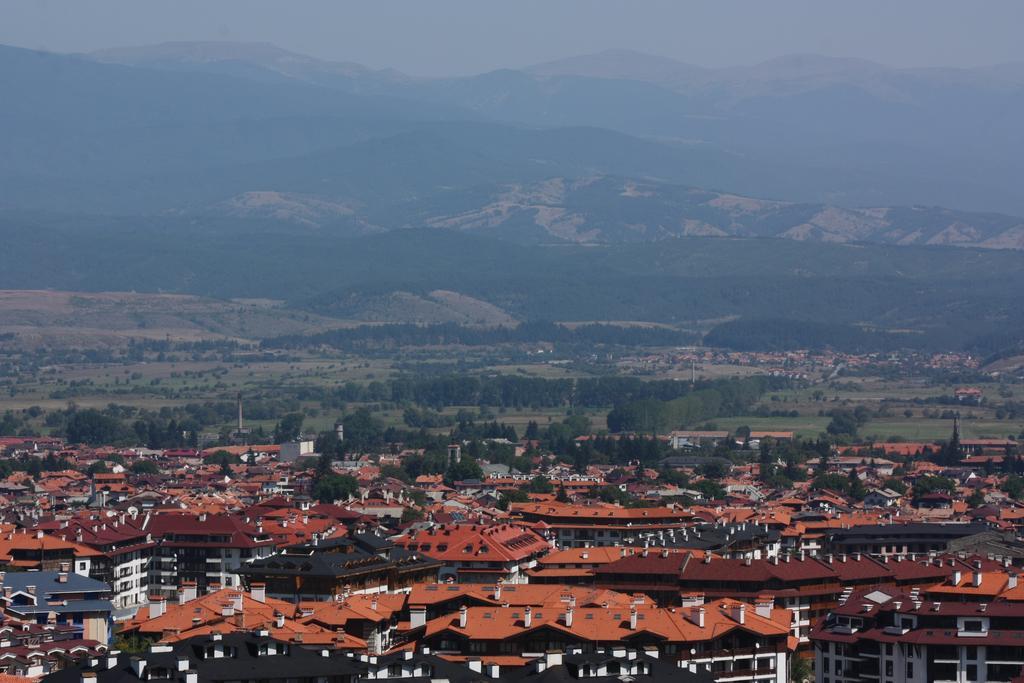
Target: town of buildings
(196, 570)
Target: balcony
(742, 674)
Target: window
(888, 668)
(972, 672)
(972, 625)
(910, 670)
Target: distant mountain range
(250, 60)
(610, 210)
(809, 127)
(616, 186)
(607, 148)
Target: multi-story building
(611, 665)
(123, 551)
(879, 635)
(477, 553)
(37, 551)
(908, 540)
(59, 598)
(230, 610)
(205, 549)
(809, 587)
(575, 526)
(240, 657)
(731, 640)
(29, 650)
(329, 570)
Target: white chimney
(259, 592)
(183, 663)
(527, 617)
(157, 606)
(463, 616)
(568, 617)
(417, 616)
(956, 577)
(475, 665)
(739, 613)
(976, 578)
(632, 618)
(186, 592)
(763, 607)
(1011, 581)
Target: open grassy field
(804, 427)
(922, 429)
(97, 319)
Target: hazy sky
(437, 37)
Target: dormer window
(972, 626)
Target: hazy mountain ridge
(611, 210)
(511, 154)
(818, 129)
(251, 60)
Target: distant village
(188, 564)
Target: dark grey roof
(73, 606)
(330, 564)
(920, 530)
(49, 583)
